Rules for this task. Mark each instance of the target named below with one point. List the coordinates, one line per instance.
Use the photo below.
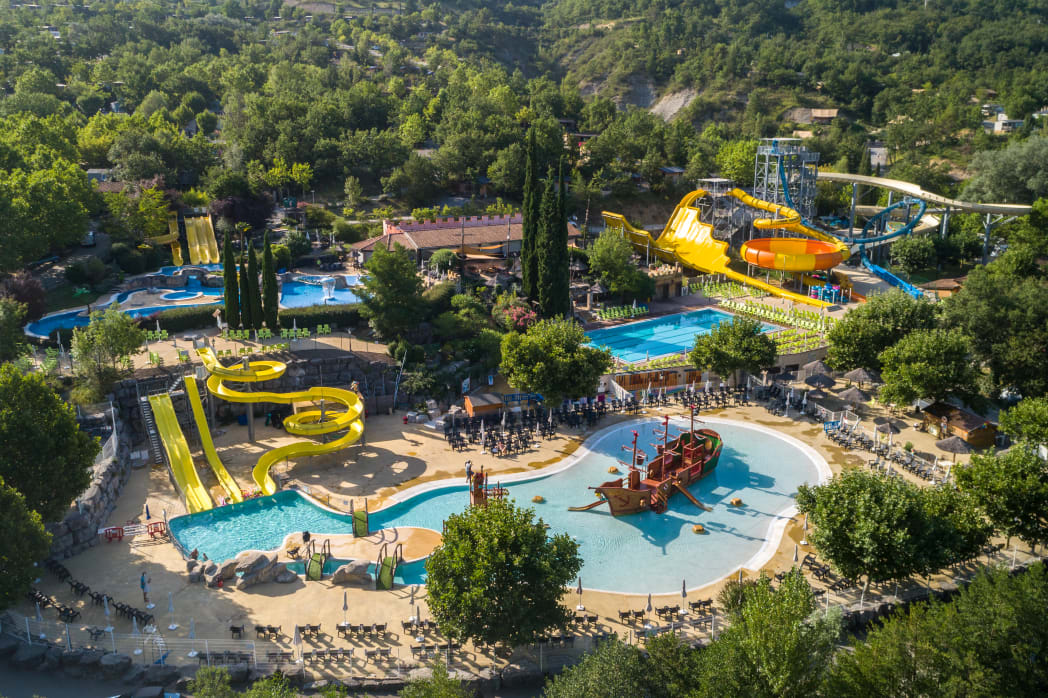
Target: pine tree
(245, 295)
(270, 297)
(865, 166)
(255, 296)
(229, 272)
(529, 257)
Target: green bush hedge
(439, 297)
(180, 319)
(338, 316)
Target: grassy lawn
(926, 275)
(64, 297)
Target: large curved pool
(643, 553)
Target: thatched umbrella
(954, 445)
(853, 396)
(888, 428)
(816, 367)
(820, 380)
(861, 375)
(816, 394)
(785, 376)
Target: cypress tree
(229, 273)
(562, 269)
(255, 296)
(270, 298)
(865, 166)
(245, 295)
(529, 262)
(546, 247)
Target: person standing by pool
(469, 471)
(144, 583)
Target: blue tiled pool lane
(670, 334)
(639, 554)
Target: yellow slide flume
(178, 454)
(171, 238)
(203, 248)
(688, 240)
(306, 423)
(224, 478)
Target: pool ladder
(386, 566)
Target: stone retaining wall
(78, 530)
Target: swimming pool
(671, 334)
(761, 466)
(296, 294)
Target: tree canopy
(45, 456)
(859, 337)
(102, 350)
(931, 364)
(391, 295)
(23, 543)
(610, 261)
(499, 575)
(733, 346)
(1011, 489)
(1027, 421)
(552, 359)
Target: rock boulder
(29, 657)
(114, 665)
(353, 573)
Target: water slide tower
(800, 165)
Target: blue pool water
(296, 294)
(660, 336)
(171, 271)
(634, 554)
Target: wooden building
(942, 420)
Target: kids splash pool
(639, 554)
(660, 336)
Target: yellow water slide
(688, 240)
(208, 231)
(224, 478)
(196, 242)
(170, 238)
(178, 454)
(311, 423)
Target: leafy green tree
(913, 253)
(247, 318)
(354, 191)
(206, 122)
(498, 575)
(733, 346)
(12, 339)
(443, 260)
(989, 641)
(103, 349)
(552, 249)
(1017, 173)
(610, 261)
(27, 290)
(45, 456)
(887, 529)
(23, 543)
(776, 645)
(275, 686)
(438, 685)
(229, 278)
(551, 358)
(1027, 421)
(1011, 489)
(298, 244)
(860, 336)
(391, 295)
(735, 161)
(930, 364)
(270, 297)
(1003, 309)
(613, 668)
(211, 682)
(529, 257)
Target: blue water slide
(879, 271)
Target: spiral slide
(317, 422)
(178, 454)
(688, 240)
(171, 238)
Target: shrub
(181, 319)
(130, 260)
(338, 316)
(87, 271)
(353, 232)
(282, 257)
(439, 297)
(297, 244)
